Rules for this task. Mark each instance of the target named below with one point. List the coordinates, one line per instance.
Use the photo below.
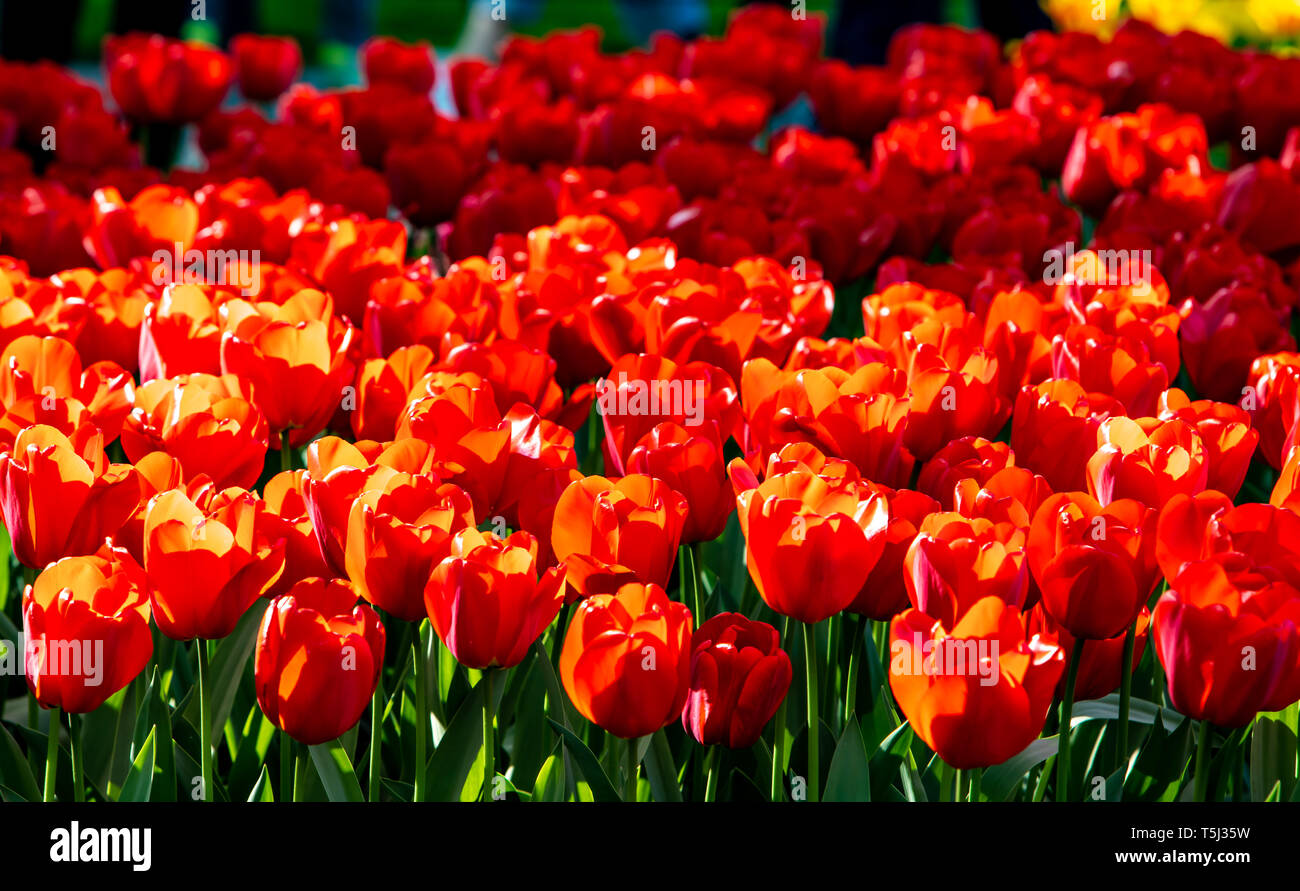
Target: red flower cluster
(1023, 440)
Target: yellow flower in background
(1280, 18)
(1100, 17)
(1254, 21)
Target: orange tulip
(626, 662)
(181, 333)
(955, 391)
(1202, 527)
(60, 496)
(295, 357)
(693, 466)
(1149, 460)
(86, 625)
(635, 522)
(208, 560)
(1095, 565)
(971, 457)
(859, 416)
(1225, 431)
(642, 391)
(977, 694)
(288, 517)
(956, 561)
(399, 528)
(812, 534)
(39, 373)
(486, 601)
(203, 421)
(1054, 430)
(1227, 638)
(318, 656)
(337, 471)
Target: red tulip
(1095, 565)
(60, 496)
(977, 694)
(812, 534)
(486, 601)
(208, 561)
(1228, 641)
(86, 625)
(626, 662)
(318, 656)
(266, 66)
(739, 675)
(158, 80)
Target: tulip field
(713, 420)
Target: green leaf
(227, 666)
(1001, 782)
(1141, 711)
(888, 761)
(153, 714)
(139, 782)
(262, 788)
(336, 772)
(253, 748)
(850, 773)
(660, 770)
(549, 785)
(399, 790)
(106, 738)
(1160, 766)
(15, 772)
(458, 749)
(1273, 754)
(526, 738)
(601, 788)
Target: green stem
(78, 768)
(300, 772)
(1126, 691)
(286, 455)
(421, 671)
(851, 682)
(286, 767)
(376, 738)
(1202, 782)
(956, 785)
(205, 720)
(880, 636)
(690, 583)
(778, 735)
(629, 787)
(489, 737)
(976, 780)
(698, 563)
(778, 746)
(52, 755)
(711, 786)
(810, 666)
(1067, 706)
